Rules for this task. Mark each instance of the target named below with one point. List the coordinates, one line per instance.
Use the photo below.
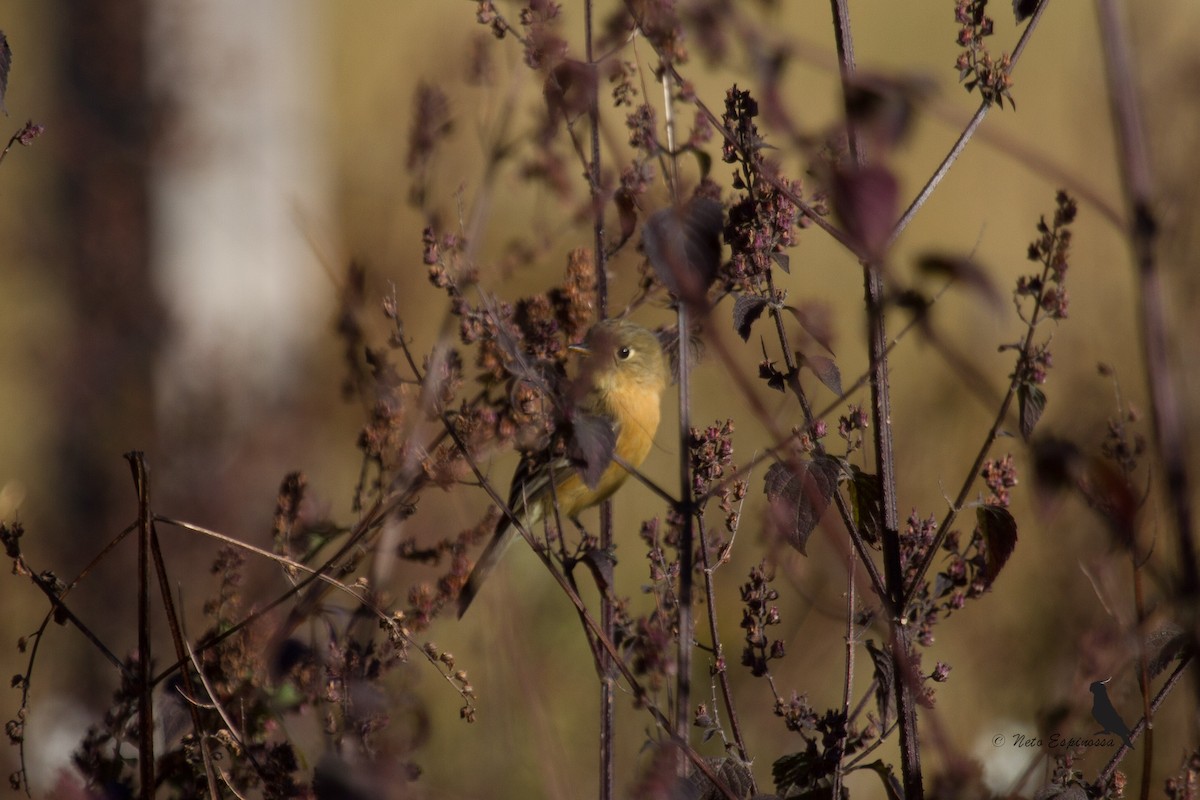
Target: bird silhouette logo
(1105, 714)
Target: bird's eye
(624, 352)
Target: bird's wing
(531, 481)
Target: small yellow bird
(621, 379)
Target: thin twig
(181, 651)
(961, 143)
(847, 678)
(719, 667)
(981, 455)
(594, 628)
(1106, 774)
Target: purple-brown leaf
(865, 200)
(570, 89)
(683, 245)
(885, 683)
(999, 531)
(882, 108)
(1023, 9)
(965, 270)
(866, 503)
(799, 493)
(1032, 401)
(826, 371)
(601, 563)
(817, 321)
(746, 309)
(592, 443)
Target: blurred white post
(240, 186)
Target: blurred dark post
(106, 377)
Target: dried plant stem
(719, 667)
(141, 482)
(600, 264)
(844, 510)
(182, 651)
(885, 459)
(981, 455)
(593, 628)
(1169, 426)
(1106, 774)
(961, 143)
(848, 678)
(313, 574)
(686, 536)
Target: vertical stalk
(885, 459)
(683, 685)
(1169, 426)
(600, 264)
(686, 537)
(141, 482)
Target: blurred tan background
(173, 248)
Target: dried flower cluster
(977, 68)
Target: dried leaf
(601, 564)
(746, 309)
(1165, 646)
(1055, 791)
(774, 378)
(703, 159)
(592, 443)
(626, 213)
(866, 501)
(668, 337)
(999, 531)
(799, 493)
(801, 775)
(733, 772)
(1023, 9)
(817, 321)
(1032, 402)
(683, 245)
(1057, 464)
(865, 200)
(964, 270)
(826, 371)
(1109, 492)
(892, 788)
(569, 89)
(885, 683)
(882, 108)
(5, 65)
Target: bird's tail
(501, 539)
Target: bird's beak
(580, 347)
